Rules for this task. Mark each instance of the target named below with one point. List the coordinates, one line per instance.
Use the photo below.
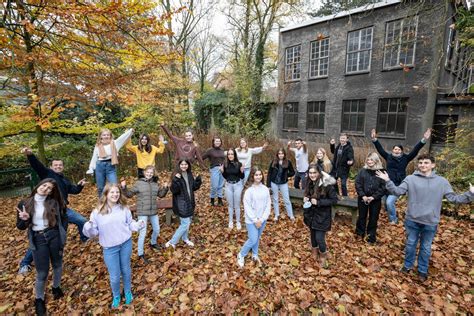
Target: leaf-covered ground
(205, 279)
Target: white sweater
(119, 143)
(245, 157)
(38, 220)
(257, 203)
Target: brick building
(396, 66)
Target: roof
(342, 14)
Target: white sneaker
(275, 219)
(292, 219)
(189, 243)
(24, 269)
(169, 244)
(239, 226)
(240, 260)
(231, 225)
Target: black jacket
(232, 172)
(339, 166)
(65, 186)
(288, 172)
(319, 217)
(61, 223)
(396, 166)
(368, 184)
(183, 204)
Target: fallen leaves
(205, 279)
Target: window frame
(285, 113)
(293, 63)
(323, 102)
(400, 43)
(384, 133)
(359, 50)
(319, 59)
(358, 113)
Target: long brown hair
(147, 147)
(254, 170)
(53, 204)
(103, 207)
(276, 160)
(227, 161)
(313, 189)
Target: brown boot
(315, 253)
(322, 259)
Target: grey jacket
(146, 192)
(425, 195)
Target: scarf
(113, 151)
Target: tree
(329, 7)
(57, 55)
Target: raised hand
(23, 214)
(26, 151)
(350, 162)
(265, 145)
(305, 199)
(427, 134)
(382, 175)
(332, 141)
(314, 201)
(161, 138)
(373, 134)
(82, 183)
(289, 143)
(178, 175)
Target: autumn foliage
(205, 279)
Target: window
(400, 42)
(359, 50)
(293, 63)
(450, 48)
(444, 129)
(290, 115)
(353, 115)
(392, 116)
(319, 58)
(315, 115)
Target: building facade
(395, 66)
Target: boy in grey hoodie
(425, 190)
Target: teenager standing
(216, 156)
(279, 171)
(245, 154)
(319, 197)
(232, 171)
(43, 213)
(185, 148)
(112, 221)
(322, 160)
(257, 205)
(342, 161)
(145, 152)
(301, 157)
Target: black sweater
(288, 172)
(339, 164)
(183, 202)
(368, 184)
(232, 172)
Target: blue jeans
(246, 175)
(233, 192)
(183, 230)
(390, 208)
(217, 182)
(155, 223)
(117, 260)
(78, 220)
(253, 241)
(73, 217)
(104, 170)
(300, 177)
(283, 188)
(425, 234)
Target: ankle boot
(323, 258)
(40, 307)
(57, 292)
(212, 201)
(219, 202)
(315, 253)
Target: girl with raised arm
(105, 157)
(245, 154)
(43, 213)
(185, 148)
(112, 221)
(145, 152)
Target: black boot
(143, 259)
(212, 201)
(219, 202)
(40, 307)
(57, 292)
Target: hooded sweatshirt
(425, 194)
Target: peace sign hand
(23, 214)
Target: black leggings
(48, 249)
(318, 240)
(371, 211)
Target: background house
(396, 66)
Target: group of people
(45, 213)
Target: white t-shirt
(38, 220)
(302, 163)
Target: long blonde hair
(100, 146)
(102, 206)
(240, 149)
(327, 164)
(376, 158)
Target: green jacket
(146, 192)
